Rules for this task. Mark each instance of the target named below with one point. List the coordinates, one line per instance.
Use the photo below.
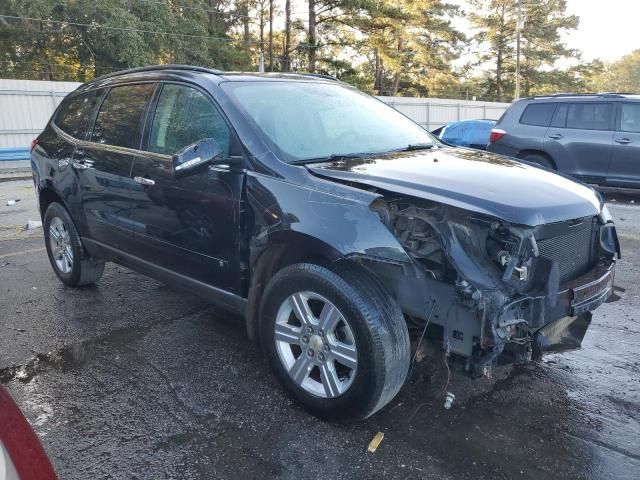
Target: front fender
(340, 220)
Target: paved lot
(131, 379)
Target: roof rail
(169, 66)
(568, 94)
(322, 75)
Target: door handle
(82, 165)
(623, 140)
(144, 181)
(556, 136)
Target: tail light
(496, 134)
(34, 142)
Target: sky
(608, 29)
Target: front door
(624, 170)
(187, 224)
(103, 164)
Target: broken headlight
(513, 251)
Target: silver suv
(594, 137)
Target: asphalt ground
(133, 379)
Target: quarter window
(185, 116)
(630, 117)
(538, 114)
(75, 113)
(118, 122)
(589, 116)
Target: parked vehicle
(466, 133)
(593, 137)
(21, 454)
(326, 218)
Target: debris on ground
(375, 442)
(448, 400)
(33, 224)
(12, 202)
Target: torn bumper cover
(570, 316)
(500, 292)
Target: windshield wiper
(418, 146)
(331, 158)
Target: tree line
(465, 49)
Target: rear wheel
(540, 160)
(71, 263)
(336, 340)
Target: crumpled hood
(473, 180)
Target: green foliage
(80, 39)
(541, 47)
(386, 47)
(619, 76)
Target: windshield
(308, 120)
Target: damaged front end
(492, 290)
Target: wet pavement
(132, 379)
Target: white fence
(27, 105)
(25, 108)
(432, 113)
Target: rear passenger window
(184, 116)
(119, 118)
(560, 117)
(538, 114)
(589, 116)
(630, 117)
(75, 113)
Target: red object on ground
(21, 443)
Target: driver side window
(184, 116)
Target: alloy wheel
(315, 344)
(60, 243)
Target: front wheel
(336, 339)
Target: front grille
(571, 245)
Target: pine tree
(542, 44)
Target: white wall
(432, 113)
(25, 108)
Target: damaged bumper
(499, 292)
(563, 325)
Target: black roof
(231, 76)
(150, 68)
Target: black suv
(594, 137)
(330, 221)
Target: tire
(539, 160)
(68, 258)
(369, 335)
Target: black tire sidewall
(539, 160)
(367, 384)
(57, 210)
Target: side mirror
(204, 152)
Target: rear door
(624, 170)
(580, 139)
(187, 224)
(103, 164)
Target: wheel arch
(523, 153)
(285, 248)
(46, 196)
